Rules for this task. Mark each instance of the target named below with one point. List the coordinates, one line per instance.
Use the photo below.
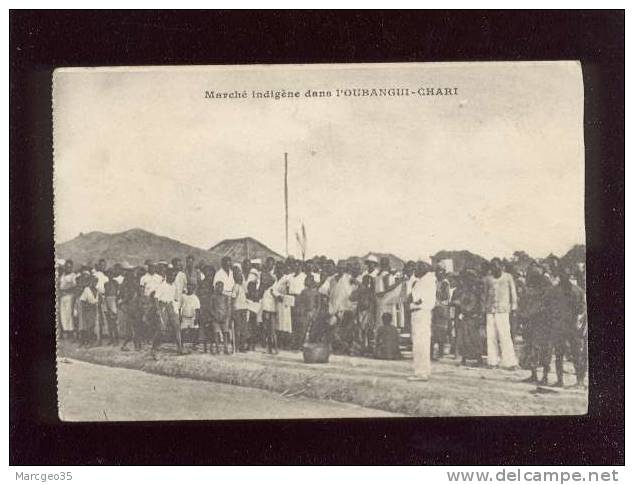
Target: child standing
(190, 315)
(219, 318)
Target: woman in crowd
(534, 323)
(469, 317)
(204, 291)
(240, 312)
(68, 293)
(283, 275)
(88, 311)
(130, 310)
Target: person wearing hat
(254, 271)
(422, 301)
(372, 266)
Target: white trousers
(421, 342)
(499, 336)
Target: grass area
(453, 390)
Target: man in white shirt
(101, 327)
(423, 300)
(100, 273)
(118, 272)
(372, 267)
(297, 283)
(180, 281)
(225, 275)
(150, 280)
(167, 301)
(500, 300)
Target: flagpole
(286, 198)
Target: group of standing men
(286, 303)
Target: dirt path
(453, 390)
(89, 392)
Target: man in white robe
(180, 282)
(101, 327)
(423, 300)
(225, 275)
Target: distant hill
(576, 254)
(461, 259)
(133, 246)
(239, 249)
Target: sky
(496, 168)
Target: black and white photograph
(316, 237)
(323, 241)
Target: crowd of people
(348, 306)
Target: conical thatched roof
(241, 248)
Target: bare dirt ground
(453, 390)
(89, 392)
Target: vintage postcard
(320, 241)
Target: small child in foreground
(190, 315)
(387, 340)
(308, 308)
